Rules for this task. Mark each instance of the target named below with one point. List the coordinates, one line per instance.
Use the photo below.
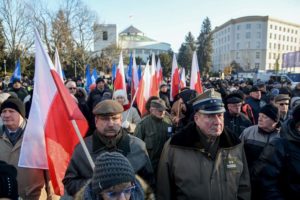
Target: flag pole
(88, 155)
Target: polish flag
(119, 83)
(175, 79)
(195, 83)
(49, 137)
(154, 84)
(143, 92)
(159, 73)
(182, 78)
(135, 76)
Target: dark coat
(255, 105)
(277, 172)
(79, 170)
(236, 124)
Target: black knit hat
(111, 168)
(296, 114)
(99, 80)
(271, 111)
(14, 103)
(8, 181)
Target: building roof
(131, 30)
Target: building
(131, 39)
(254, 42)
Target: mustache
(115, 128)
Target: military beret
(107, 108)
(209, 102)
(158, 104)
(282, 97)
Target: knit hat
(296, 114)
(98, 80)
(121, 93)
(14, 103)
(271, 111)
(111, 168)
(8, 181)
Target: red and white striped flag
(159, 73)
(154, 84)
(49, 137)
(175, 79)
(195, 82)
(135, 76)
(119, 83)
(143, 92)
(182, 78)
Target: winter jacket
(255, 105)
(255, 140)
(96, 96)
(79, 170)
(186, 171)
(33, 184)
(154, 132)
(277, 171)
(133, 117)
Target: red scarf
(126, 107)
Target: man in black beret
(109, 136)
(234, 120)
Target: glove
(125, 124)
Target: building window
(274, 45)
(248, 45)
(248, 35)
(275, 28)
(287, 38)
(270, 45)
(270, 55)
(256, 65)
(258, 35)
(257, 45)
(278, 46)
(257, 55)
(237, 36)
(295, 40)
(275, 36)
(248, 26)
(238, 46)
(238, 27)
(288, 30)
(270, 35)
(258, 26)
(274, 55)
(292, 31)
(271, 26)
(279, 28)
(291, 39)
(279, 37)
(283, 29)
(104, 35)
(237, 55)
(283, 37)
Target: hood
(289, 132)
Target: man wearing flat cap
(254, 101)
(203, 161)
(234, 120)
(108, 137)
(33, 184)
(154, 130)
(282, 101)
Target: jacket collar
(189, 138)
(122, 146)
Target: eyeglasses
(115, 195)
(72, 88)
(283, 104)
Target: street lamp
(4, 62)
(75, 69)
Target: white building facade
(129, 40)
(255, 42)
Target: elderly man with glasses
(282, 101)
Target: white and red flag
(175, 79)
(49, 137)
(143, 92)
(135, 76)
(57, 65)
(119, 83)
(195, 82)
(159, 73)
(153, 83)
(182, 78)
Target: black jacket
(236, 124)
(277, 172)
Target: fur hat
(111, 168)
(14, 103)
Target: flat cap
(233, 98)
(209, 102)
(107, 108)
(159, 104)
(282, 97)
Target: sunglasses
(72, 88)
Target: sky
(170, 20)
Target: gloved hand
(125, 124)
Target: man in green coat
(154, 130)
(203, 161)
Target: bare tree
(17, 29)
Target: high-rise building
(254, 42)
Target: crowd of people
(236, 140)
